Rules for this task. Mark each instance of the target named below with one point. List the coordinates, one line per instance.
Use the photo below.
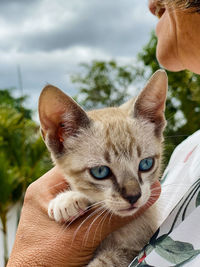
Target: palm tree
(23, 158)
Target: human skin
(41, 241)
(178, 32)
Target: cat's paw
(67, 206)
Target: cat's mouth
(128, 211)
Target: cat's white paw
(68, 205)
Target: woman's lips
(155, 8)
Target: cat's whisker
(86, 236)
(101, 229)
(96, 204)
(155, 195)
(155, 189)
(149, 204)
(84, 221)
(111, 214)
(88, 230)
(170, 116)
(53, 186)
(66, 226)
(153, 198)
(150, 201)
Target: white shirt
(177, 242)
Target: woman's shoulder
(184, 150)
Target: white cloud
(48, 39)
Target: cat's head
(111, 155)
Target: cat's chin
(126, 212)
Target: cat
(110, 155)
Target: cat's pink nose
(132, 198)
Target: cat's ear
(150, 104)
(60, 117)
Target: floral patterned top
(177, 241)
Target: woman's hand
(41, 241)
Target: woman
(178, 32)
(177, 241)
(42, 242)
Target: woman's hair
(190, 5)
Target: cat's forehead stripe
(154, 171)
(77, 172)
(112, 147)
(139, 151)
(107, 156)
(140, 177)
(115, 144)
(131, 140)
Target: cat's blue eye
(100, 172)
(146, 164)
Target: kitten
(110, 155)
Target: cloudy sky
(47, 39)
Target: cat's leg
(67, 205)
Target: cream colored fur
(115, 137)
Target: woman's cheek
(167, 48)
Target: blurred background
(99, 52)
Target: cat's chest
(137, 233)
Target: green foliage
(6, 99)
(104, 83)
(8, 180)
(148, 55)
(183, 103)
(23, 155)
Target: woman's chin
(168, 60)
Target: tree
(6, 99)
(23, 155)
(104, 83)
